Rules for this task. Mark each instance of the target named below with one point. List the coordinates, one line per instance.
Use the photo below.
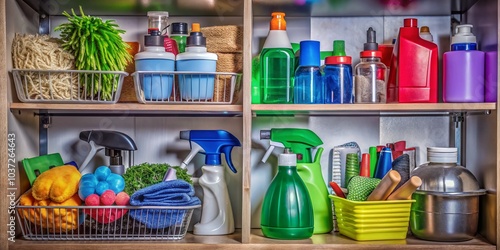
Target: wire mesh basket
(104, 222)
(68, 86)
(182, 87)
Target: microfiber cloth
(176, 193)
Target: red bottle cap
(371, 53)
(338, 60)
(410, 22)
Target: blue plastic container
(155, 86)
(309, 88)
(338, 80)
(197, 87)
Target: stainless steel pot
(447, 202)
(441, 216)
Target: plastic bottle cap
(309, 53)
(411, 22)
(196, 38)
(339, 48)
(371, 40)
(463, 34)
(424, 29)
(179, 29)
(371, 53)
(278, 21)
(287, 160)
(154, 40)
(331, 60)
(195, 27)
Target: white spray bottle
(217, 214)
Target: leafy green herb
(96, 45)
(147, 174)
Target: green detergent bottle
(300, 141)
(287, 212)
(277, 62)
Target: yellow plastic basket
(372, 220)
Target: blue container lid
(464, 46)
(309, 53)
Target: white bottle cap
(287, 160)
(463, 34)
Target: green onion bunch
(96, 45)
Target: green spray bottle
(300, 141)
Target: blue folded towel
(168, 193)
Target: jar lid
(442, 155)
(338, 60)
(371, 53)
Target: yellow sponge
(57, 184)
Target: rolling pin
(405, 191)
(386, 186)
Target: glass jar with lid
(370, 85)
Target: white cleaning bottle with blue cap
(217, 213)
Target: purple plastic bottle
(491, 76)
(463, 68)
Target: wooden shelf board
(336, 240)
(257, 241)
(189, 242)
(374, 108)
(131, 107)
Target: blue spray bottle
(217, 214)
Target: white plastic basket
(68, 86)
(93, 223)
(181, 87)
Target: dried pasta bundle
(41, 52)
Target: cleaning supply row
(285, 77)
(102, 193)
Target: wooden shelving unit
(246, 237)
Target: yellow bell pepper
(57, 184)
(54, 219)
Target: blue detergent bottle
(217, 213)
(194, 86)
(309, 88)
(155, 87)
(338, 76)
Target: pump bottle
(277, 62)
(217, 213)
(463, 68)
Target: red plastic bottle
(414, 67)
